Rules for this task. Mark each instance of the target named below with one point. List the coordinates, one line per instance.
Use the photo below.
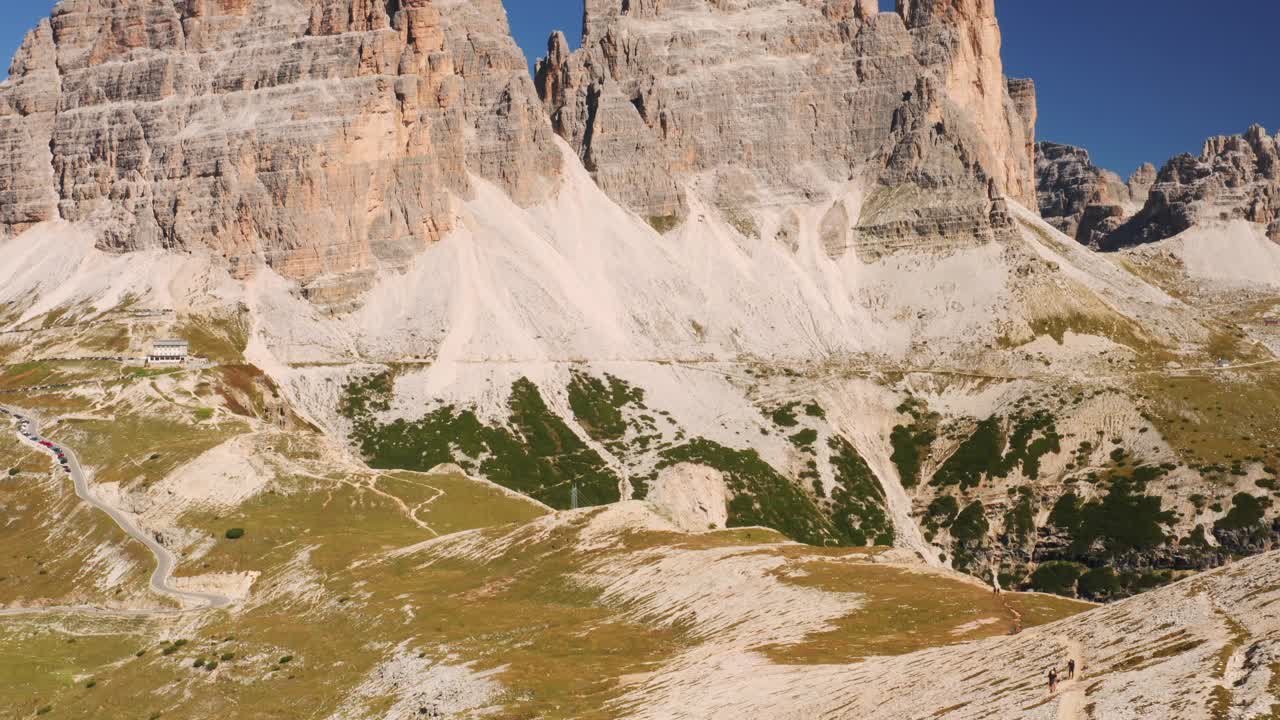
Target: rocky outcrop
(933, 190)
(1023, 93)
(770, 101)
(1081, 199)
(325, 137)
(1234, 178)
(1141, 182)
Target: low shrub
(1059, 578)
(235, 533)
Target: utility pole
(573, 497)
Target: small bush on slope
(1059, 578)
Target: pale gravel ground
(693, 497)
(1001, 677)
(1235, 253)
(420, 688)
(733, 600)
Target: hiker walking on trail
(1053, 680)
(1071, 669)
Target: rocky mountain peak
(1081, 199)
(1140, 182)
(918, 13)
(770, 101)
(322, 137)
(1236, 177)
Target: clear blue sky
(1132, 80)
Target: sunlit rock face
(767, 101)
(324, 137)
(1236, 177)
(1081, 199)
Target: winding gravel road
(161, 577)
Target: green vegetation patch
(911, 443)
(969, 530)
(1100, 584)
(1058, 578)
(977, 458)
(942, 512)
(597, 404)
(1247, 513)
(785, 416)
(1245, 529)
(1033, 437)
(857, 504)
(1020, 520)
(987, 453)
(538, 455)
(1125, 521)
(664, 223)
(762, 495)
(804, 439)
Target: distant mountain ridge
(1235, 177)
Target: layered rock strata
(325, 137)
(770, 101)
(1235, 177)
(1081, 199)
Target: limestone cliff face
(1081, 199)
(764, 101)
(1235, 177)
(323, 136)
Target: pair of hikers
(1053, 675)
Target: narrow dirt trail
(1071, 702)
